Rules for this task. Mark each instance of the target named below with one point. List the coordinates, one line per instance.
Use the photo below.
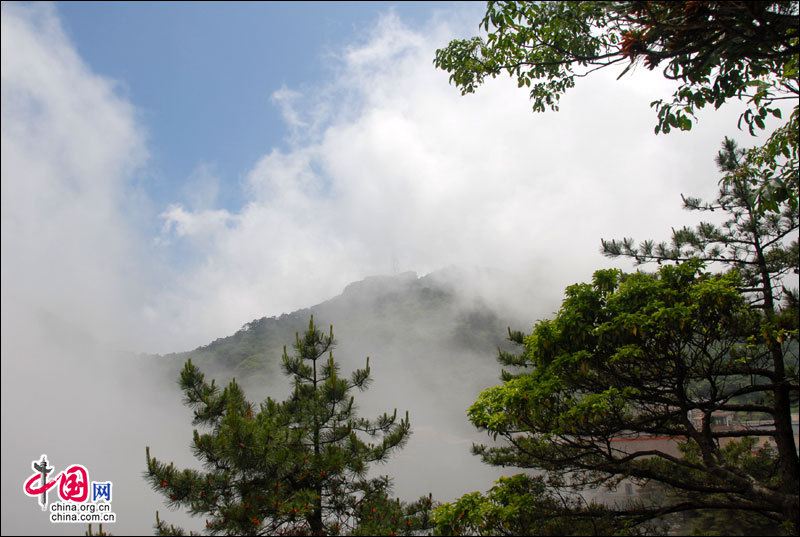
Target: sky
(173, 171)
(190, 167)
(205, 92)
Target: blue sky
(201, 75)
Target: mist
(385, 169)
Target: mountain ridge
(439, 308)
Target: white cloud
(196, 224)
(388, 167)
(74, 274)
(389, 162)
(70, 146)
(285, 100)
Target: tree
(715, 51)
(764, 249)
(296, 467)
(636, 356)
(642, 356)
(522, 505)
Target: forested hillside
(418, 320)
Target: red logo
(73, 483)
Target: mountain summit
(379, 314)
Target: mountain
(432, 343)
(381, 314)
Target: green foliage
(716, 51)
(386, 516)
(763, 247)
(630, 357)
(775, 165)
(293, 467)
(520, 505)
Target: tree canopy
(715, 50)
(763, 249)
(297, 467)
(634, 358)
(522, 505)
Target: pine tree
(763, 249)
(657, 357)
(296, 467)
